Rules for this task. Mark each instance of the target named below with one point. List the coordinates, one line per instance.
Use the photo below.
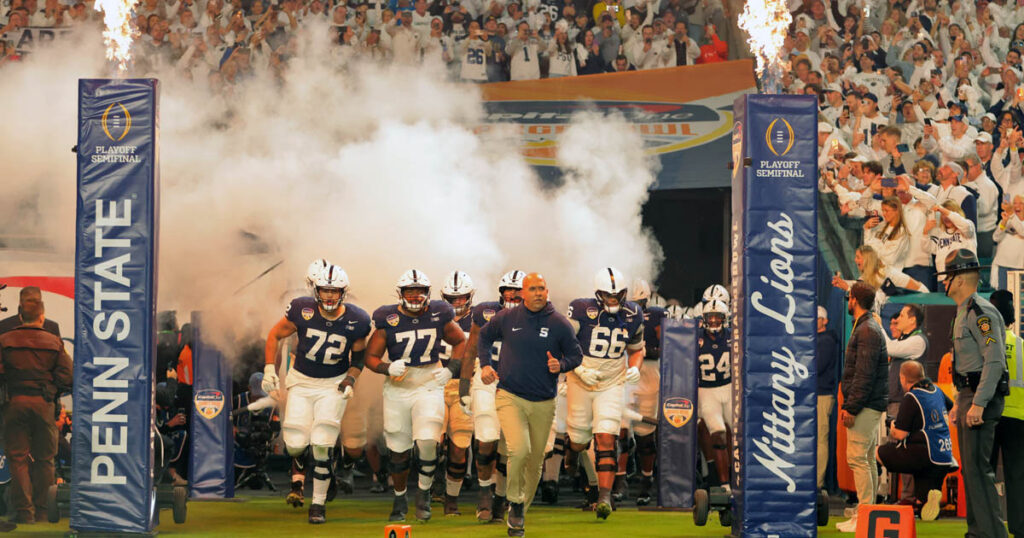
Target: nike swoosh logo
(514, 329)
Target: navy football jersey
(416, 340)
(482, 313)
(713, 358)
(603, 335)
(325, 345)
(652, 320)
(446, 349)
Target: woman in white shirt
(955, 232)
(888, 235)
(874, 272)
(562, 53)
(1010, 239)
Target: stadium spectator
(1009, 235)
(976, 180)
(919, 441)
(887, 233)
(35, 369)
(948, 232)
(864, 394)
(826, 360)
(686, 49)
(712, 49)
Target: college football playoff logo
(117, 122)
(779, 136)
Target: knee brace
(399, 462)
(427, 451)
(321, 463)
(483, 460)
(718, 441)
(605, 460)
(559, 448)
(502, 467)
(623, 443)
(645, 445)
(457, 471)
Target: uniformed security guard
(979, 374)
(35, 368)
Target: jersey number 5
(332, 354)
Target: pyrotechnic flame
(767, 22)
(118, 35)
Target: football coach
(537, 344)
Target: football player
(411, 332)
(476, 391)
(457, 291)
(328, 359)
(714, 387)
(610, 331)
(645, 395)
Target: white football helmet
(314, 270)
(512, 280)
(716, 292)
(458, 284)
(610, 283)
(413, 279)
(641, 292)
(332, 277)
(674, 311)
(715, 313)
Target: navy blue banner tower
(677, 421)
(115, 306)
(211, 469)
(774, 260)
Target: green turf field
(270, 517)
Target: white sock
(453, 487)
(399, 493)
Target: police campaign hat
(961, 261)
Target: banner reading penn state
(677, 418)
(684, 115)
(775, 252)
(115, 306)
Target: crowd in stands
(477, 40)
(920, 129)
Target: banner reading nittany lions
(774, 257)
(684, 115)
(115, 306)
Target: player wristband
(349, 381)
(381, 368)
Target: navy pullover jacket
(526, 338)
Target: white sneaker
(849, 525)
(930, 510)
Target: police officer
(979, 374)
(35, 368)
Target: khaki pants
(825, 404)
(525, 426)
(861, 442)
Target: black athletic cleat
(620, 489)
(332, 489)
(498, 509)
(589, 499)
(423, 505)
(604, 505)
(451, 506)
(483, 505)
(378, 483)
(549, 492)
(644, 497)
(400, 508)
(346, 483)
(317, 514)
(294, 497)
(516, 519)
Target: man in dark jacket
(35, 368)
(30, 295)
(537, 345)
(865, 394)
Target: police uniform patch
(307, 314)
(985, 325)
(592, 313)
(392, 320)
(488, 314)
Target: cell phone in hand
(889, 182)
(928, 121)
(902, 148)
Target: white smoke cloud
(377, 169)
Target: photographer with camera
(172, 423)
(256, 423)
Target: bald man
(919, 439)
(537, 344)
